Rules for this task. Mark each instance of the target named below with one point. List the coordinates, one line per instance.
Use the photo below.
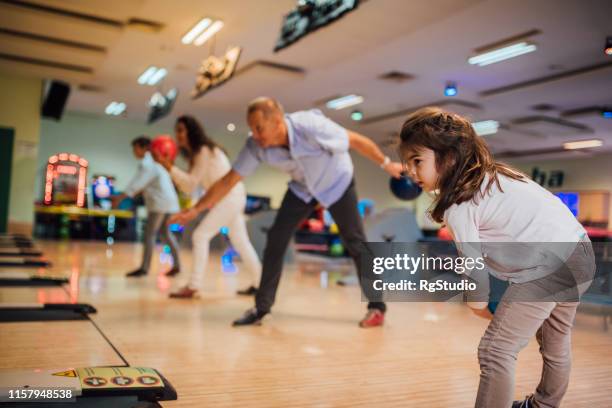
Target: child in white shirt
(486, 204)
(161, 200)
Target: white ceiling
(430, 40)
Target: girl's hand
(183, 217)
(395, 169)
(163, 160)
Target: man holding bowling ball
(314, 151)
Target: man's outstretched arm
(213, 195)
(368, 149)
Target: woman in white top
(207, 164)
(526, 236)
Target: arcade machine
(66, 212)
(65, 180)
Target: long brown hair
(196, 136)
(462, 157)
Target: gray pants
(156, 222)
(514, 324)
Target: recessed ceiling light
(450, 89)
(231, 127)
(582, 144)
(486, 127)
(344, 102)
(115, 108)
(196, 30)
(210, 31)
(503, 53)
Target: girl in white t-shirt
(527, 237)
(207, 164)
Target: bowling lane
(50, 344)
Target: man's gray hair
(268, 106)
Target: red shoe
(373, 318)
(184, 293)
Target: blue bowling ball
(404, 188)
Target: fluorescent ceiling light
(145, 76)
(344, 102)
(157, 76)
(500, 54)
(582, 144)
(120, 108)
(196, 30)
(110, 109)
(152, 75)
(486, 127)
(212, 30)
(115, 108)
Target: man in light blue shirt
(317, 157)
(161, 200)
(314, 151)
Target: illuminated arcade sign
(65, 179)
(215, 71)
(310, 15)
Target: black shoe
(136, 273)
(250, 318)
(250, 291)
(173, 271)
(526, 403)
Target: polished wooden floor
(309, 353)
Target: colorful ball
(444, 234)
(164, 146)
(336, 249)
(404, 188)
(315, 225)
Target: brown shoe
(184, 293)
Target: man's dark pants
(291, 213)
